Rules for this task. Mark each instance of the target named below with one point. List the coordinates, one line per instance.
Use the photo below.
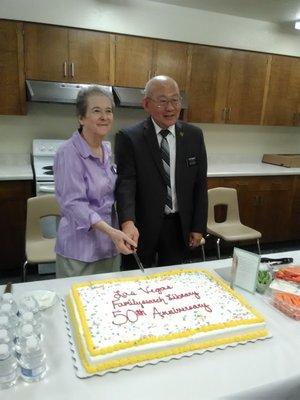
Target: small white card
(244, 269)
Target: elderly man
(161, 188)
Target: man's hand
(131, 231)
(195, 239)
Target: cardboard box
(284, 160)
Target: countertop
(15, 167)
(18, 166)
(222, 165)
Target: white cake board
(81, 372)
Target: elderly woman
(88, 240)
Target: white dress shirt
(171, 138)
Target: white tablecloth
(268, 369)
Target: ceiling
(277, 11)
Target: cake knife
(138, 261)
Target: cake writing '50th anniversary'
(128, 321)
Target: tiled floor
(211, 254)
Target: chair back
(223, 196)
(37, 208)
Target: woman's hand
(123, 242)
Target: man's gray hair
(162, 79)
(85, 93)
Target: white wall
(54, 121)
(58, 121)
(146, 18)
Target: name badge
(191, 161)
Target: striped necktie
(165, 155)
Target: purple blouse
(84, 187)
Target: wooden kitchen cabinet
(247, 86)
(283, 96)
(138, 59)
(226, 86)
(295, 214)
(210, 73)
(12, 81)
(13, 200)
(265, 203)
(67, 55)
(172, 59)
(133, 61)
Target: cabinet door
(265, 203)
(295, 212)
(283, 92)
(133, 61)
(12, 86)
(13, 198)
(208, 84)
(246, 90)
(89, 57)
(46, 52)
(171, 58)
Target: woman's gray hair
(85, 93)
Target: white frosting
(127, 311)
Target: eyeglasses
(164, 102)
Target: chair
(231, 230)
(39, 249)
(202, 243)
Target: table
(268, 369)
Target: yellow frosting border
(189, 332)
(135, 359)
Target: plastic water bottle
(32, 361)
(5, 338)
(6, 309)
(7, 298)
(24, 332)
(5, 323)
(28, 318)
(9, 370)
(29, 303)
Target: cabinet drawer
(254, 183)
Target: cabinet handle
(224, 111)
(65, 68)
(228, 113)
(149, 75)
(72, 70)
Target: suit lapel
(151, 140)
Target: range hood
(131, 97)
(56, 92)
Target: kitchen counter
(225, 165)
(15, 167)
(18, 166)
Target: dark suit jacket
(141, 190)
